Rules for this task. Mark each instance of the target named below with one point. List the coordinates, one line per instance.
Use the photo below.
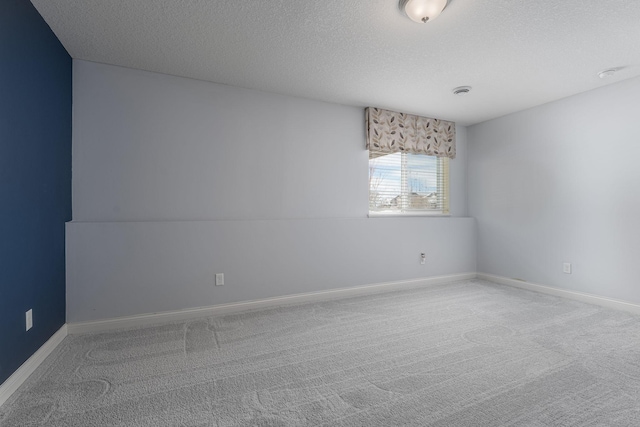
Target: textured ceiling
(516, 54)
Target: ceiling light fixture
(422, 11)
(462, 90)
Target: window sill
(406, 214)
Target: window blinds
(408, 183)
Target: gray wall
(176, 179)
(561, 183)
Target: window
(408, 162)
(408, 183)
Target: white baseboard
(180, 315)
(578, 296)
(18, 377)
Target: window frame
(443, 184)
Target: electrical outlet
(220, 279)
(423, 258)
(29, 319)
(566, 268)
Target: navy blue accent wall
(35, 180)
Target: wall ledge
(27, 368)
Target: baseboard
(181, 315)
(18, 377)
(578, 296)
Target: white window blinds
(408, 183)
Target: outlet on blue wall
(35, 180)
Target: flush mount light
(422, 11)
(462, 90)
(607, 73)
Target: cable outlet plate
(29, 319)
(220, 279)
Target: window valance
(391, 132)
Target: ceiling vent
(462, 90)
(607, 73)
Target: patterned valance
(390, 132)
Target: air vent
(462, 90)
(607, 73)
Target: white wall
(176, 179)
(561, 183)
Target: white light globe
(423, 11)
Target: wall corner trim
(194, 313)
(12, 383)
(563, 293)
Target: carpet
(470, 353)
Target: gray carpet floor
(464, 354)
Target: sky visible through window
(385, 177)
